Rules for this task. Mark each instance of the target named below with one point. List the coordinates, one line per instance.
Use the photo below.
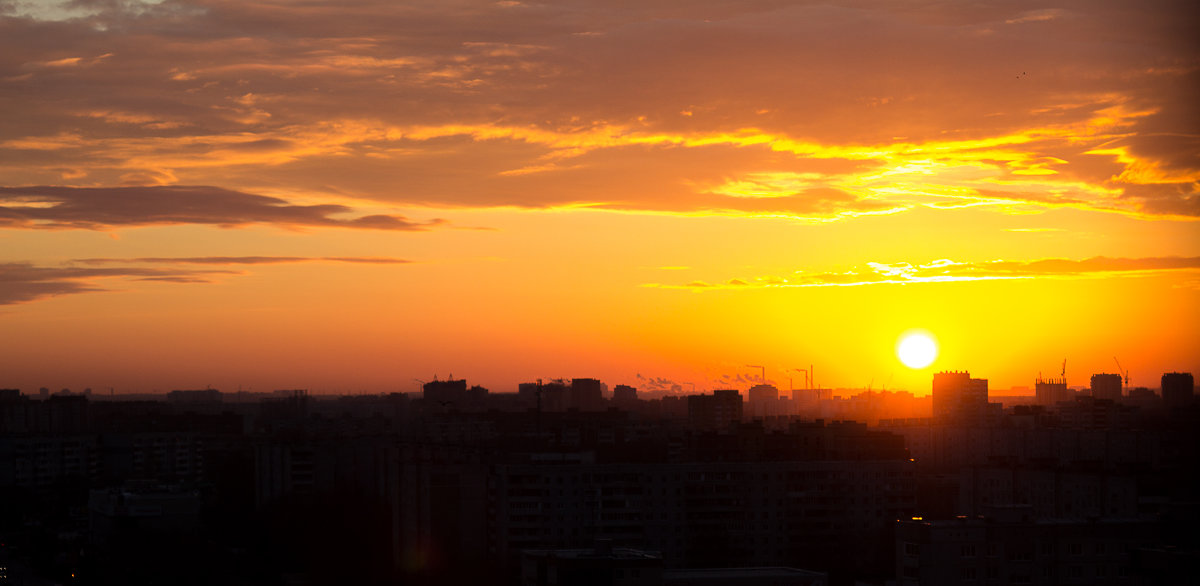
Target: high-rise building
(446, 392)
(555, 396)
(718, 411)
(958, 398)
(763, 400)
(1178, 389)
(587, 394)
(1049, 393)
(624, 396)
(1106, 386)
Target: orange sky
(347, 196)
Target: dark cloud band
(98, 208)
(22, 282)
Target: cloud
(22, 282)
(1086, 105)
(99, 208)
(945, 271)
(242, 260)
(1041, 15)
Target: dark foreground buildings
(563, 485)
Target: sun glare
(916, 350)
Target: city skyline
(1114, 386)
(557, 484)
(352, 196)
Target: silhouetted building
(291, 408)
(1177, 389)
(587, 394)
(446, 392)
(16, 411)
(1048, 492)
(1051, 392)
(145, 510)
(1015, 549)
(204, 396)
(673, 406)
(625, 396)
(764, 401)
(476, 395)
(808, 401)
(555, 396)
(1093, 413)
(719, 411)
(528, 392)
(718, 510)
(960, 399)
(41, 461)
(1106, 386)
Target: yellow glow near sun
(916, 349)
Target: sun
(916, 349)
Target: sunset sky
(348, 196)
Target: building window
(968, 551)
(912, 549)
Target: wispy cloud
(69, 62)
(22, 282)
(945, 271)
(100, 208)
(242, 260)
(1041, 15)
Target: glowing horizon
(351, 196)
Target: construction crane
(1121, 371)
(764, 371)
(1064, 369)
